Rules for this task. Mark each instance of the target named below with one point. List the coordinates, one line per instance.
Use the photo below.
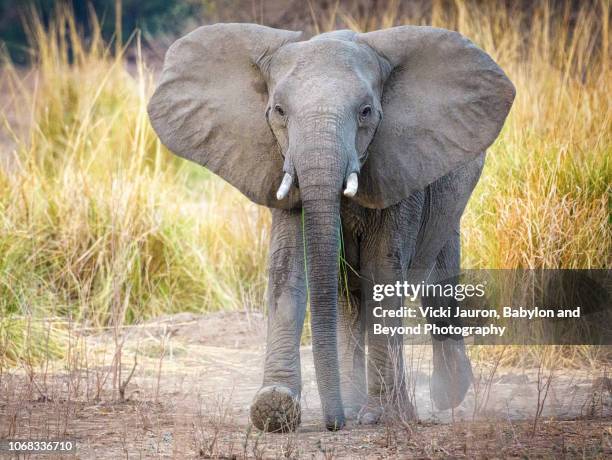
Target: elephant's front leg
(351, 329)
(351, 334)
(386, 252)
(276, 406)
(387, 387)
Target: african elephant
(376, 139)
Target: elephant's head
(291, 123)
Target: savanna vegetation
(100, 225)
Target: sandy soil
(195, 377)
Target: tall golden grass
(101, 225)
(543, 200)
(98, 222)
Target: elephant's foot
(276, 408)
(335, 421)
(452, 373)
(354, 401)
(352, 412)
(371, 413)
(392, 407)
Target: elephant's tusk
(351, 185)
(284, 186)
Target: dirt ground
(195, 376)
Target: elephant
(366, 143)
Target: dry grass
(100, 224)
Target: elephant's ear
(444, 102)
(210, 106)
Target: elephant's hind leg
(452, 371)
(276, 406)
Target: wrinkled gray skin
(411, 110)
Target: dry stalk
(482, 390)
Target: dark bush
(151, 16)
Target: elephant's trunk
(320, 181)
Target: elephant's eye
(278, 109)
(365, 112)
